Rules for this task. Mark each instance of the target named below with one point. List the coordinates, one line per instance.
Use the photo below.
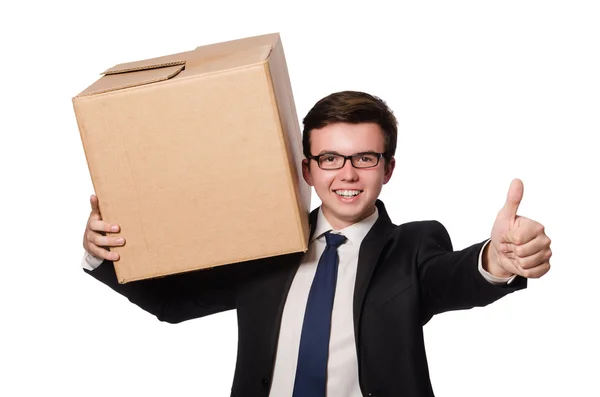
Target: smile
(348, 193)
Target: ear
(389, 170)
(306, 172)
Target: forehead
(347, 138)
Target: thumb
(95, 207)
(513, 199)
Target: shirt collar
(355, 233)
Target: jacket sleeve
(450, 280)
(179, 297)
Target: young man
(346, 318)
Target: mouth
(348, 194)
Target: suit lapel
(368, 256)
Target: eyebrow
(322, 152)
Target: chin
(349, 213)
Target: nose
(348, 172)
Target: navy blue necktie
(311, 373)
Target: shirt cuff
(90, 262)
(490, 277)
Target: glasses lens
(365, 160)
(331, 161)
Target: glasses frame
(350, 157)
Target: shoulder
(425, 226)
(415, 230)
(423, 232)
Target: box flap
(140, 65)
(118, 79)
(132, 74)
(151, 63)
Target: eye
(366, 159)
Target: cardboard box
(197, 156)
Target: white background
(484, 92)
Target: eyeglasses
(334, 161)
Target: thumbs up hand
(519, 245)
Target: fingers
(99, 245)
(532, 258)
(101, 226)
(95, 222)
(539, 243)
(524, 232)
(537, 271)
(106, 241)
(515, 266)
(95, 239)
(102, 253)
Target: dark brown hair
(352, 107)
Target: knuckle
(98, 240)
(527, 263)
(98, 252)
(100, 226)
(518, 251)
(540, 229)
(523, 263)
(518, 240)
(89, 237)
(541, 270)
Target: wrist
(491, 262)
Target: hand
(95, 240)
(519, 245)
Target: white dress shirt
(342, 365)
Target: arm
(450, 280)
(519, 249)
(177, 298)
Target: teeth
(347, 193)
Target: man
(346, 318)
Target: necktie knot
(334, 240)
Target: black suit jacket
(405, 275)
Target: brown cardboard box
(197, 156)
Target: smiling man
(348, 191)
(345, 319)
